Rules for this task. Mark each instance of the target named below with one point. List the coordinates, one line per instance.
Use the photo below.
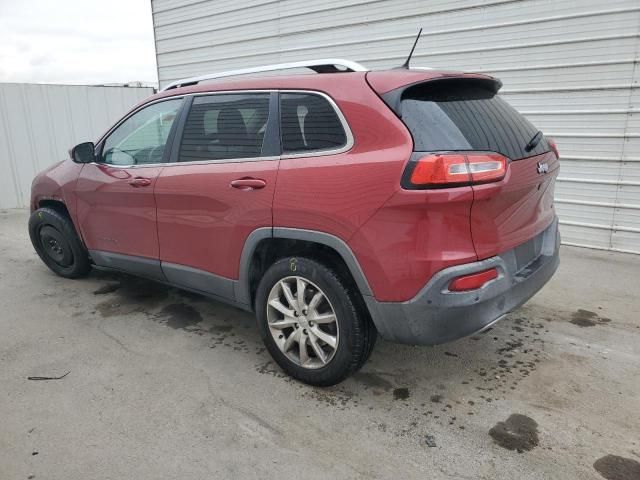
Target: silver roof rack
(325, 65)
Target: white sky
(76, 41)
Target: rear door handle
(140, 182)
(248, 184)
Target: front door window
(141, 138)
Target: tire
(55, 240)
(332, 350)
(369, 341)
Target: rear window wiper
(533, 143)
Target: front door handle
(140, 182)
(248, 184)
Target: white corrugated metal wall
(39, 123)
(570, 67)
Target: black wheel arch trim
(243, 291)
(55, 203)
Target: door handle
(248, 184)
(140, 182)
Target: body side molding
(144, 267)
(200, 280)
(179, 276)
(235, 292)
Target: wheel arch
(57, 205)
(53, 214)
(297, 241)
(61, 207)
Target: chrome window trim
(194, 162)
(229, 92)
(345, 126)
(223, 160)
(141, 165)
(350, 141)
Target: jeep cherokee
(414, 204)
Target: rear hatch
(457, 116)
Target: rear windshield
(463, 115)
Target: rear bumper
(436, 315)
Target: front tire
(310, 322)
(55, 240)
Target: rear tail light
(440, 170)
(553, 146)
(450, 170)
(473, 281)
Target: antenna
(406, 63)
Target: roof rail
(325, 65)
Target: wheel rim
(302, 322)
(55, 246)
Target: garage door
(570, 67)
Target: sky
(76, 41)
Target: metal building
(570, 66)
(40, 123)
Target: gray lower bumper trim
(436, 315)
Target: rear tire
(320, 336)
(55, 240)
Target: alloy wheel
(302, 322)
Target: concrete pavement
(165, 384)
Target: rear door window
(309, 123)
(225, 126)
(463, 115)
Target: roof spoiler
(393, 98)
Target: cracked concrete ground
(166, 384)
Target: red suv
(414, 204)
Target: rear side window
(464, 115)
(309, 123)
(225, 126)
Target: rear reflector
(473, 281)
(449, 170)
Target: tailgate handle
(248, 184)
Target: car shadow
(406, 388)
(120, 294)
(437, 381)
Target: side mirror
(83, 153)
